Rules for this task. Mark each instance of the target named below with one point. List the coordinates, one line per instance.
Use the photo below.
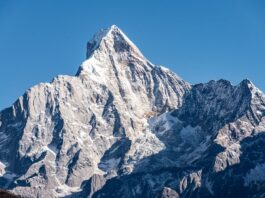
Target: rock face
(123, 127)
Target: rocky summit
(124, 127)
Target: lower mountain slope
(214, 147)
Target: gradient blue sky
(199, 40)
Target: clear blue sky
(199, 40)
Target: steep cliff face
(123, 127)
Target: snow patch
(255, 175)
(2, 169)
(3, 138)
(191, 134)
(209, 186)
(110, 164)
(165, 122)
(46, 148)
(65, 190)
(9, 176)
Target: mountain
(124, 127)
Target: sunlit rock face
(124, 127)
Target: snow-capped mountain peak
(111, 46)
(124, 127)
(90, 123)
(115, 61)
(113, 40)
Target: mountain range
(124, 127)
